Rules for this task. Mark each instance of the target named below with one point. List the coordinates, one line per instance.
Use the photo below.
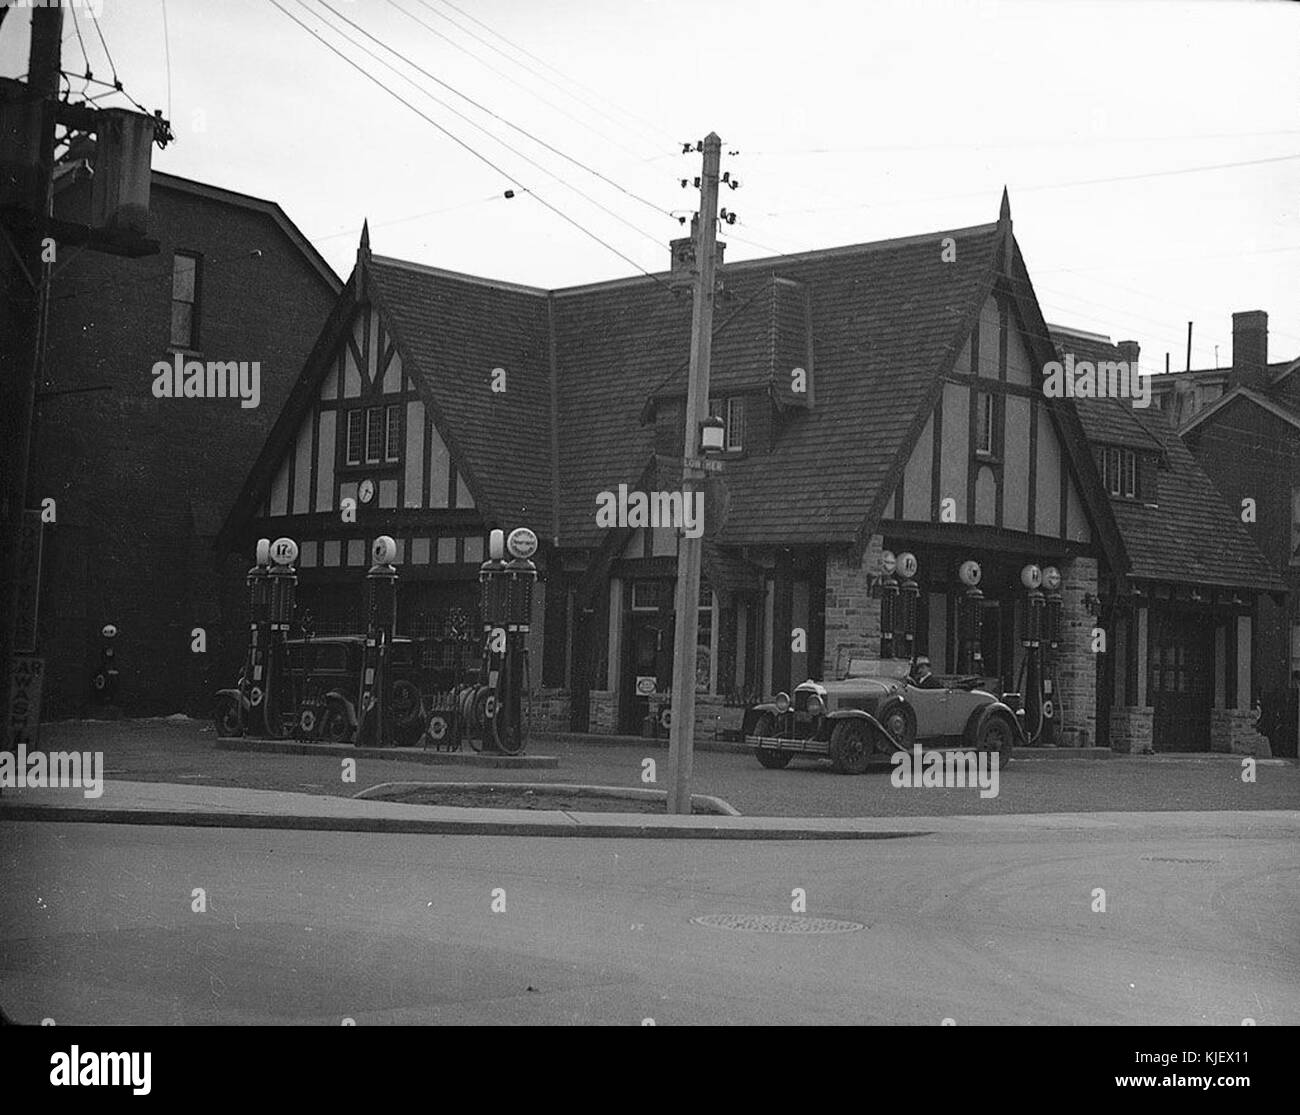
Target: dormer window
(732, 412)
(1119, 472)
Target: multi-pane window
(185, 300)
(1119, 472)
(732, 412)
(984, 424)
(374, 435)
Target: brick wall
(603, 712)
(143, 484)
(550, 710)
(1132, 729)
(852, 614)
(1075, 660)
(1233, 731)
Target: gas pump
(106, 677)
(1036, 696)
(1052, 613)
(888, 603)
(970, 621)
(273, 605)
(909, 594)
(373, 728)
(509, 725)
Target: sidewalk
(159, 803)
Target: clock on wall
(366, 490)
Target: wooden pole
(690, 550)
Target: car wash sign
(24, 702)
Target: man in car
(922, 676)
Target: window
(185, 300)
(374, 435)
(1119, 472)
(984, 437)
(732, 412)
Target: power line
(76, 25)
(495, 115)
(461, 143)
(167, 52)
(517, 84)
(982, 145)
(577, 84)
(472, 123)
(104, 43)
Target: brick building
(141, 482)
(878, 396)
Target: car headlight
(782, 702)
(816, 706)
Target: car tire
(852, 746)
(898, 718)
(335, 726)
(996, 734)
(226, 717)
(765, 725)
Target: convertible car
(867, 716)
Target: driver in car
(922, 676)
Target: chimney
(1249, 350)
(683, 256)
(1128, 351)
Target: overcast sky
(852, 120)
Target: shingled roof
(887, 319)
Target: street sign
(646, 685)
(25, 678)
(702, 464)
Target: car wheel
(335, 727)
(226, 718)
(765, 725)
(852, 746)
(899, 720)
(997, 736)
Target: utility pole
(21, 298)
(681, 740)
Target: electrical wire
(76, 25)
(461, 143)
(517, 84)
(660, 211)
(473, 124)
(104, 43)
(424, 3)
(167, 54)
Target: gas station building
(878, 397)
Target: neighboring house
(1248, 441)
(1186, 662)
(874, 397)
(141, 482)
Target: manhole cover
(776, 923)
(1173, 859)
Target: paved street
(988, 927)
(184, 751)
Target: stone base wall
(1075, 661)
(603, 709)
(551, 710)
(1233, 731)
(714, 719)
(852, 613)
(1132, 729)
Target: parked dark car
(866, 716)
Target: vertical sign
(24, 702)
(27, 583)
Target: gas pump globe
(1052, 625)
(283, 581)
(521, 576)
(381, 585)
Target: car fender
(237, 694)
(859, 714)
(994, 708)
(753, 713)
(348, 707)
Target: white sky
(854, 121)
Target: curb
(709, 803)
(734, 747)
(431, 827)
(406, 754)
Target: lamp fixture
(713, 431)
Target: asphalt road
(1200, 927)
(185, 751)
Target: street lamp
(712, 434)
